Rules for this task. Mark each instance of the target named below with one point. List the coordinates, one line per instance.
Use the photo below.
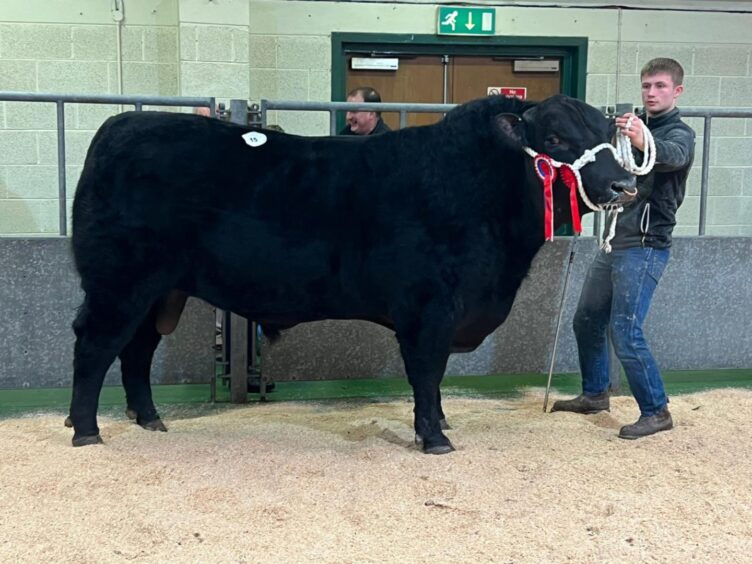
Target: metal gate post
(239, 326)
(239, 360)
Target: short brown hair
(669, 66)
(368, 93)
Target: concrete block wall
(70, 48)
(214, 48)
(716, 53)
(280, 49)
(39, 293)
(691, 324)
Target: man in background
(364, 123)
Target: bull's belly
(469, 337)
(478, 323)
(284, 307)
(283, 300)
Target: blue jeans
(616, 297)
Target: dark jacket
(650, 221)
(381, 127)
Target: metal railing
(708, 114)
(403, 109)
(60, 100)
(332, 108)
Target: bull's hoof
(444, 425)
(87, 440)
(68, 422)
(442, 446)
(438, 449)
(154, 425)
(131, 413)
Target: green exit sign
(453, 20)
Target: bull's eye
(553, 140)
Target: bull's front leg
(428, 422)
(425, 350)
(442, 418)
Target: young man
(619, 286)
(364, 123)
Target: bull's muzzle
(625, 191)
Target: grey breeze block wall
(39, 296)
(699, 319)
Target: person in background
(619, 286)
(364, 123)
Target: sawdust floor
(342, 482)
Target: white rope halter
(623, 155)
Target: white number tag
(254, 138)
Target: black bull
(428, 231)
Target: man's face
(659, 93)
(361, 123)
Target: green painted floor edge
(186, 399)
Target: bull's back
(163, 171)
(292, 219)
(297, 228)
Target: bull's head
(565, 128)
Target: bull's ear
(511, 129)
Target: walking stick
(558, 319)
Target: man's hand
(630, 126)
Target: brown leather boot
(649, 425)
(583, 404)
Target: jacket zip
(645, 222)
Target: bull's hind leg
(135, 364)
(104, 326)
(425, 346)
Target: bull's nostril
(627, 186)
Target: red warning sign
(515, 91)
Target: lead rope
(625, 158)
(623, 155)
